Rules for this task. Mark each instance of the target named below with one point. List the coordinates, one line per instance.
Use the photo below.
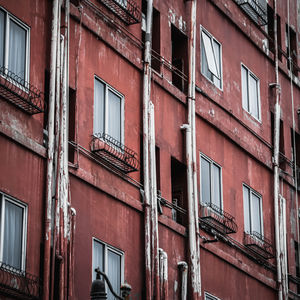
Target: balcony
(115, 153)
(20, 93)
(126, 10)
(255, 9)
(215, 218)
(259, 244)
(17, 284)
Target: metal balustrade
(216, 218)
(18, 284)
(255, 9)
(259, 244)
(20, 93)
(127, 10)
(114, 152)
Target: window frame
(107, 247)
(211, 162)
(212, 38)
(250, 73)
(208, 296)
(3, 199)
(7, 18)
(107, 88)
(251, 191)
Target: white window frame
(213, 61)
(3, 199)
(244, 101)
(253, 192)
(109, 88)
(208, 296)
(105, 265)
(202, 155)
(9, 17)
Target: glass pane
(245, 88)
(205, 181)
(17, 49)
(255, 213)
(204, 66)
(99, 104)
(217, 52)
(246, 209)
(113, 272)
(210, 54)
(97, 257)
(216, 185)
(114, 116)
(2, 44)
(253, 96)
(13, 235)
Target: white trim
(8, 17)
(212, 162)
(3, 198)
(250, 73)
(122, 99)
(212, 297)
(219, 67)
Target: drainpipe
(183, 268)
(276, 159)
(146, 100)
(153, 194)
(49, 179)
(165, 285)
(194, 245)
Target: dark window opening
(155, 55)
(271, 33)
(72, 122)
(291, 48)
(179, 58)
(46, 97)
(282, 161)
(179, 192)
(297, 265)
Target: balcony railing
(126, 10)
(114, 152)
(20, 93)
(17, 284)
(216, 218)
(255, 9)
(259, 244)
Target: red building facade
(156, 140)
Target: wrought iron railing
(114, 152)
(259, 244)
(127, 10)
(218, 219)
(255, 9)
(18, 284)
(20, 93)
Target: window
(211, 183)
(297, 264)
(14, 45)
(211, 66)
(208, 296)
(291, 48)
(111, 262)
(270, 29)
(250, 93)
(108, 110)
(253, 221)
(13, 230)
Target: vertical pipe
(276, 159)
(153, 193)
(192, 162)
(48, 204)
(165, 287)
(183, 267)
(146, 100)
